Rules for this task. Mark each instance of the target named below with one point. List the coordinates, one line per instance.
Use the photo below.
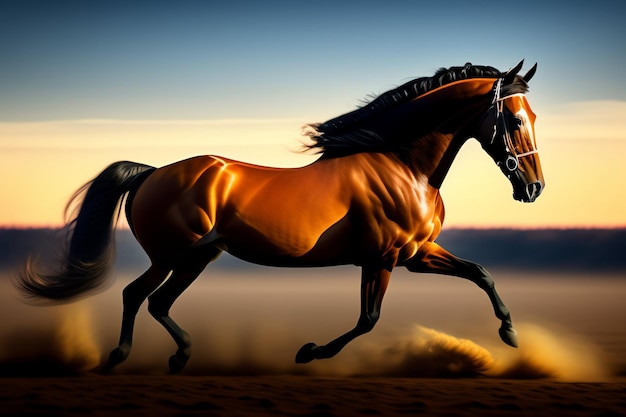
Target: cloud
(116, 133)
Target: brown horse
(372, 200)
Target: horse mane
(345, 135)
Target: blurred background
(84, 84)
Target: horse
(371, 200)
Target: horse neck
(439, 124)
(426, 154)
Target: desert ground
(165, 395)
(434, 352)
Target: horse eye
(517, 123)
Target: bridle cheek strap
(498, 105)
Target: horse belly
(334, 245)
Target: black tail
(90, 247)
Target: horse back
(330, 212)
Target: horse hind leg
(160, 302)
(159, 305)
(133, 296)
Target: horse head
(507, 134)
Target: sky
(87, 83)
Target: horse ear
(510, 75)
(530, 73)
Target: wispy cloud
(599, 120)
(107, 133)
(584, 121)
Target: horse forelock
(519, 85)
(344, 134)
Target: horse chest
(397, 219)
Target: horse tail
(90, 247)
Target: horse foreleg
(133, 296)
(373, 286)
(432, 258)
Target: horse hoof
(117, 356)
(177, 363)
(508, 335)
(307, 353)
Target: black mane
(343, 134)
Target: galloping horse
(372, 199)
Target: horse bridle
(512, 157)
(487, 126)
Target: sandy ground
(433, 334)
(125, 395)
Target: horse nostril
(533, 190)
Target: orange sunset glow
(581, 147)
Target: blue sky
(199, 60)
(87, 83)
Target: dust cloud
(58, 342)
(543, 354)
(255, 327)
(552, 353)
(64, 343)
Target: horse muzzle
(527, 193)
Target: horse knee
(157, 308)
(368, 321)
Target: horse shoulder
(398, 209)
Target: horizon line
(452, 227)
